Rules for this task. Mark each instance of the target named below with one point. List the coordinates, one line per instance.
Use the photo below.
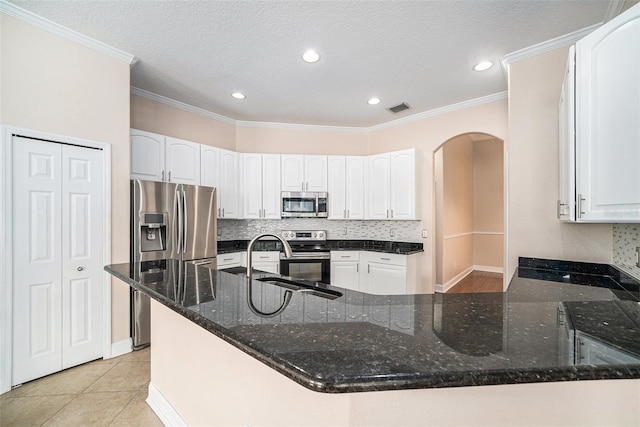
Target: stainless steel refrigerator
(168, 222)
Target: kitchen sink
(300, 286)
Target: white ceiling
(418, 52)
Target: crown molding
(546, 46)
(38, 21)
(295, 126)
(181, 105)
(442, 110)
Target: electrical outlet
(263, 230)
(425, 234)
(392, 232)
(344, 231)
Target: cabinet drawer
(337, 256)
(266, 256)
(229, 260)
(382, 258)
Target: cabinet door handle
(348, 213)
(302, 186)
(387, 213)
(580, 200)
(169, 176)
(368, 268)
(344, 213)
(357, 268)
(391, 213)
(163, 176)
(222, 212)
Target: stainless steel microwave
(304, 204)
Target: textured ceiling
(418, 52)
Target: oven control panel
(319, 235)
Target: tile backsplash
(396, 231)
(626, 237)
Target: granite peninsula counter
(536, 332)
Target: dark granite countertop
(403, 248)
(361, 342)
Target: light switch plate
(425, 234)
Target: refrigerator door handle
(185, 222)
(179, 231)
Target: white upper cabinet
(346, 187)
(607, 124)
(219, 168)
(160, 158)
(229, 188)
(402, 191)
(304, 173)
(182, 161)
(209, 166)
(566, 205)
(261, 185)
(391, 185)
(147, 156)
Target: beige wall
(54, 85)
(488, 203)
(300, 141)
(534, 231)
(161, 118)
(427, 135)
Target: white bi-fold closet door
(57, 257)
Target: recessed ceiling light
(484, 65)
(238, 95)
(373, 101)
(311, 56)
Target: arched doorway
(469, 213)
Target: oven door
(305, 268)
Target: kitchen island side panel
(210, 382)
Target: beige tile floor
(102, 393)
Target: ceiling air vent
(398, 108)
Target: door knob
(80, 268)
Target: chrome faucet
(285, 245)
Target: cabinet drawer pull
(345, 256)
(385, 259)
(227, 259)
(264, 257)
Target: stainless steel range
(311, 257)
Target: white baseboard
(121, 347)
(451, 283)
(163, 409)
(488, 269)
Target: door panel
(37, 259)
(82, 218)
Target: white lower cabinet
(375, 272)
(386, 279)
(267, 261)
(345, 269)
(229, 260)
